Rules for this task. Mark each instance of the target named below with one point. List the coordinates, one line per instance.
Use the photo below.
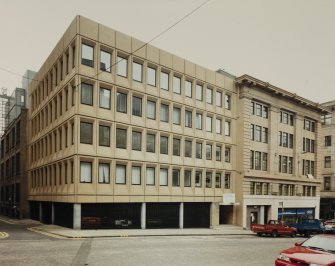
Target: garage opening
(162, 215)
(226, 214)
(111, 216)
(34, 210)
(196, 215)
(63, 214)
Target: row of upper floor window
(327, 162)
(259, 161)
(146, 140)
(328, 182)
(264, 188)
(168, 79)
(124, 101)
(11, 139)
(285, 117)
(103, 171)
(10, 167)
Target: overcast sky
(290, 44)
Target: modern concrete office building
(279, 159)
(327, 205)
(13, 157)
(124, 134)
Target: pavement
(63, 232)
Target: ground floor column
(181, 215)
(77, 216)
(52, 213)
(261, 215)
(214, 214)
(143, 215)
(40, 212)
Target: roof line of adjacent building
(249, 80)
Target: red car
(318, 250)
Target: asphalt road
(23, 247)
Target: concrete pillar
(52, 213)
(261, 215)
(181, 215)
(76, 216)
(214, 214)
(244, 217)
(40, 212)
(143, 215)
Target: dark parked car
(307, 227)
(318, 250)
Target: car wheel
(307, 234)
(274, 233)
(259, 234)
(293, 234)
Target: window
(121, 138)
(150, 143)
(87, 55)
(307, 167)
(136, 141)
(187, 178)
(252, 188)
(188, 88)
(259, 109)
(121, 102)
(164, 113)
(176, 147)
(228, 102)
(227, 181)
(105, 98)
(218, 153)
(150, 176)
(227, 129)
(328, 141)
(122, 65)
(198, 121)
(151, 110)
(104, 173)
(308, 145)
(208, 179)
(175, 177)
(136, 175)
(137, 71)
(218, 126)
(188, 148)
(163, 177)
(120, 175)
(151, 76)
(327, 161)
(209, 96)
(218, 180)
(164, 81)
(326, 183)
(86, 94)
(198, 177)
(137, 106)
(176, 84)
(218, 98)
(85, 172)
(309, 125)
(86, 132)
(105, 61)
(198, 150)
(227, 154)
(264, 161)
(164, 145)
(208, 152)
(265, 136)
(176, 115)
(209, 123)
(188, 118)
(326, 119)
(104, 136)
(286, 118)
(198, 92)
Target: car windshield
(320, 243)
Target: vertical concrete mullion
(143, 215)
(77, 216)
(181, 215)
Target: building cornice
(266, 86)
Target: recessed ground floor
(261, 209)
(327, 208)
(132, 215)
